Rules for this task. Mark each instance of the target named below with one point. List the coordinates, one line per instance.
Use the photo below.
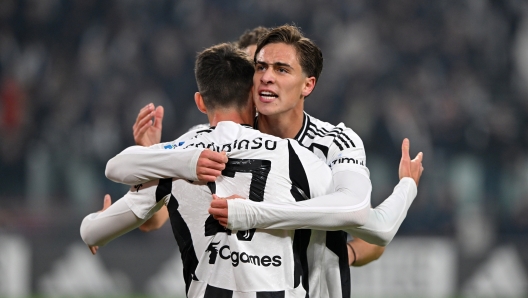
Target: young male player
(287, 67)
(219, 262)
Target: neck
(280, 125)
(234, 115)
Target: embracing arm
(331, 212)
(138, 164)
(347, 206)
(97, 229)
(334, 212)
(126, 214)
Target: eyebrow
(275, 64)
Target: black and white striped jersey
(222, 263)
(340, 147)
(327, 257)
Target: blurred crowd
(450, 75)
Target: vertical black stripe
(182, 234)
(214, 292)
(301, 134)
(336, 242)
(297, 172)
(164, 188)
(301, 237)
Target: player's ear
(198, 99)
(309, 85)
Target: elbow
(118, 173)
(355, 218)
(111, 169)
(149, 226)
(86, 235)
(89, 234)
(383, 239)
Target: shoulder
(192, 134)
(339, 135)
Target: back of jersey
(261, 168)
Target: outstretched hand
(146, 132)
(107, 202)
(219, 208)
(210, 165)
(410, 168)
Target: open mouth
(268, 95)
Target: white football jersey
(326, 254)
(256, 263)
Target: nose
(267, 76)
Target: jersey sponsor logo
(213, 251)
(246, 235)
(243, 144)
(238, 258)
(348, 160)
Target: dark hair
(309, 55)
(251, 36)
(224, 75)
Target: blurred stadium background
(452, 75)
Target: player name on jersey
(253, 144)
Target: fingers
(93, 249)
(208, 176)
(141, 130)
(158, 116)
(218, 203)
(210, 165)
(419, 157)
(219, 157)
(218, 212)
(144, 114)
(405, 149)
(107, 201)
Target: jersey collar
(302, 132)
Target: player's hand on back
(210, 165)
(107, 202)
(146, 132)
(410, 168)
(219, 208)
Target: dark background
(450, 75)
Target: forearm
(137, 164)
(332, 212)
(100, 228)
(346, 207)
(156, 221)
(361, 253)
(385, 220)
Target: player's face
(279, 82)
